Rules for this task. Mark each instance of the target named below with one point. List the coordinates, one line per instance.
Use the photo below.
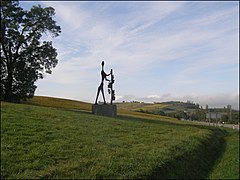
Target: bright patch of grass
(151, 107)
(149, 116)
(59, 103)
(43, 142)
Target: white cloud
(215, 18)
(126, 44)
(136, 39)
(69, 13)
(153, 96)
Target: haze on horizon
(159, 51)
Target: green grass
(47, 142)
(126, 109)
(59, 103)
(151, 107)
(227, 166)
(131, 105)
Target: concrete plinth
(104, 109)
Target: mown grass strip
(227, 166)
(195, 163)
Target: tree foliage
(25, 57)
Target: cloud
(69, 13)
(102, 40)
(153, 47)
(217, 17)
(130, 43)
(221, 100)
(153, 96)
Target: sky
(159, 51)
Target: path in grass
(227, 166)
(40, 142)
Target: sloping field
(126, 109)
(151, 107)
(132, 105)
(46, 142)
(137, 106)
(59, 103)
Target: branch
(21, 42)
(2, 43)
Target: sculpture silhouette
(110, 87)
(100, 88)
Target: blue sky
(159, 51)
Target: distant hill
(163, 108)
(180, 110)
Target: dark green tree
(25, 57)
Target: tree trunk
(9, 83)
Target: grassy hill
(59, 103)
(57, 138)
(126, 109)
(181, 110)
(166, 109)
(165, 106)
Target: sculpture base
(104, 110)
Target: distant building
(213, 115)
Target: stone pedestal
(104, 110)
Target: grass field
(50, 142)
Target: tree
(178, 114)
(25, 57)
